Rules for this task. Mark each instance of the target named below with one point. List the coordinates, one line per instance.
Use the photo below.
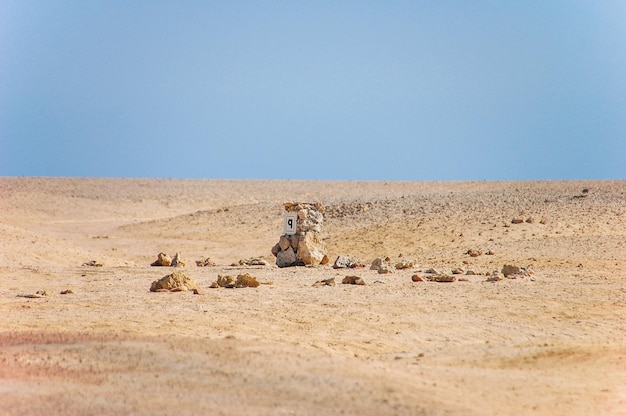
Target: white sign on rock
(289, 226)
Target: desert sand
(550, 343)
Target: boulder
(311, 251)
(175, 282)
(286, 258)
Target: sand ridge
(551, 345)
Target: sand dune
(548, 344)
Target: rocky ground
(81, 332)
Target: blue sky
(349, 90)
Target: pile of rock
(304, 247)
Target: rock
(286, 258)
(473, 253)
(226, 281)
(385, 269)
(276, 249)
(417, 278)
(517, 221)
(376, 263)
(442, 278)
(345, 262)
(326, 282)
(284, 243)
(432, 271)
(458, 270)
(530, 220)
(509, 269)
(177, 261)
(205, 262)
(310, 250)
(253, 261)
(67, 292)
(174, 281)
(92, 263)
(490, 253)
(352, 280)
(197, 292)
(405, 264)
(470, 273)
(214, 285)
(245, 280)
(162, 260)
(495, 277)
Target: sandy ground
(553, 343)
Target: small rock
(176, 280)
(207, 262)
(376, 263)
(177, 261)
(431, 271)
(530, 220)
(245, 280)
(385, 269)
(67, 292)
(345, 262)
(353, 280)
(162, 260)
(443, 278)
(509, 269)
(197, 292)
(517, 221)
(458, 270)
(325, 282)
(470, 273)
(417, 278)
(473, 253)
(490, 253)
(92, 263)
(253, 261)
(495, 277)
(226, 281)
(214, 285)
(405, 264)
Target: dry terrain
(550, 343)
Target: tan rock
(353, 280)
(162, 260)
(245, 280)
(311, 249)
(417, 278)
(226, 281)
(175, 280)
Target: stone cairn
(305, 247)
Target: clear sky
(350, 90)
